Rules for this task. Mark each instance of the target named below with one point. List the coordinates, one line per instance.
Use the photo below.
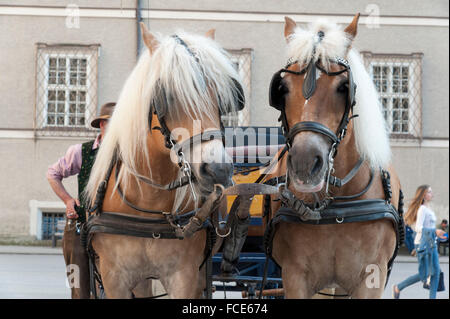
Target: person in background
(443, 241)
(78, 160)
(423, 220)
(444, 225)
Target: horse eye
(343, 88)
(283, 89)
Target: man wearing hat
(78, 160)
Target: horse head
(191, 91)
(315, 93)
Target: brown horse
(178, 89)
(319, 106)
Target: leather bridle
(308, 90)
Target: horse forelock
(320, 40)
(196, 83)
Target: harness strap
(336, 213)
(361, 192)
(311, 126)
(172, 185)
(101, 191)
(335, 181)
(345, 212)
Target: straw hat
(105, 113)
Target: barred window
(397, 79)
(242, 59)
(66, 81)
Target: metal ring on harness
(228, 233)
(156, 236)
(339, 220)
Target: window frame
(67, 51)
(243, 58)
(67, 88)
(414, 95)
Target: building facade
(60, 60)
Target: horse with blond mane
(340, 221)
(159, 164)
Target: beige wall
(416, 8)
(117, 41)
(23, 169)
(24, 161)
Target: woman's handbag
(441, 285)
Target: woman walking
(423, 220)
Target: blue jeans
(409, 238)
(434, 280)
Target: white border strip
(215, 16)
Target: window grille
(397, 79)
(242, 60)
(66, 89)
(49, 222)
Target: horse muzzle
(307, 162)
(211, 174)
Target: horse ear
(148, 38)
(289, 27)
(352, 28)
(211, 34)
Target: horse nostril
(317, 165)
(204, 169)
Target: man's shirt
(70, 163)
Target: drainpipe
(138, 20)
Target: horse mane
(370, 128)
(195, 84)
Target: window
(66, 89)
(49, 222)
(242, 60)
(397, 79)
